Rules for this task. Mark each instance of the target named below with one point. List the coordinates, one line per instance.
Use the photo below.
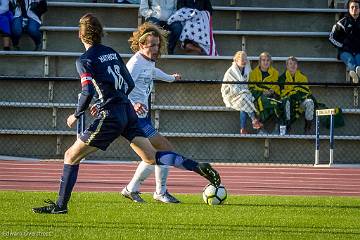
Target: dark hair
(351, 1)
(291, 58)
(90, 29)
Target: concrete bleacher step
(233, 148)
(224, 17)
(180, 94)
(111, 15)
(210, 95)
(229, 123)
(38, 64)
(272, 3)
(307, 44)
(44, 116)
(40, 91)
(282, 19)
(243, 3)
(54, 144)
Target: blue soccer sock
(68, 181)
(176, 160)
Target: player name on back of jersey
(108, 57)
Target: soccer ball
(214, 195)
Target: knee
(69, 157)
(309, 103)
(16, 28)
(34, 31)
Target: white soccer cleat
(134, 196)
(165, 198)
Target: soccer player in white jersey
(148, 43)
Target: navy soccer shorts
(147, 127)
(118, 120)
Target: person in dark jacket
(345, 35)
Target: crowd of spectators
(267, 95)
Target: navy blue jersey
(104, 76)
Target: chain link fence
(191, 114)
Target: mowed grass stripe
(110, 216)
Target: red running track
(243, 180)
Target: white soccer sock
(143, 171)
(161, 174)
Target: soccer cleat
(165, 197)
(208, 172)
(133, 196)
(52, 208)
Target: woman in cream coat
(237, 95)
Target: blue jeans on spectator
(32, 28)
(351, 61)
(243, 118)
(175, 31)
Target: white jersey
(144, 72)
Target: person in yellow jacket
(300, 96)
(267, 96)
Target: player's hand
(140, 109)
(94, 110)
(71, 120)
(177, 76)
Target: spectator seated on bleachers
(238, 96)
(300, 96)
(5, 23)
(345, 35)
(196, 35)
(159, 12)
(27, 17)
(267, 96)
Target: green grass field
(109, 216)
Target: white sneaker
(165, 198)
(354, 76)
(134, 196)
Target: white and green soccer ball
(214, 195)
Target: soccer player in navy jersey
(104, 76)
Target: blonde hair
(238, 55)
(90, 29)
(148, 29)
